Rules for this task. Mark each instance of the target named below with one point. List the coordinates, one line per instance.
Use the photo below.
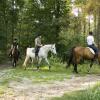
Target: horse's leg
(75, 65)
(47, 63)
(32, 61)
(39, 63)
(25, 62)
(71, 58)
(76, 62)
(91, 65)
(14, 62)
(99, 58)
(75, 68)
(69, 63)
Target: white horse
(43, 54)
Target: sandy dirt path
(26, 90)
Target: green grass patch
(89, 94)
(2, 90)
(58, 73)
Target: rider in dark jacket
(14, 44)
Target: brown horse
(14, 56)
(79, 53)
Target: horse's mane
(47, 45)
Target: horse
(79, 53)
(43, 54)
(14, 56)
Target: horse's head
(53, 49)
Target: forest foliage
(53, 19)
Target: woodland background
(64, 22)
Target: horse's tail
(26, 58)
(26, 50)
(71, 57)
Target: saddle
(33, 50)
(92, 51)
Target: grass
(58, 73)
(9, 74)
(43, 75)
(89, 94)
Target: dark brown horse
(79, 53)
(14, 56)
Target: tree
(47, 17)
(93, 7)
(9, 13)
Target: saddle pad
(33, 50)
(91, 50)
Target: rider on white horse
(38, 44)
(43, 54)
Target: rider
(38, 44)
(14, 44)
(92, 44)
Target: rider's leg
(47, 63)
(36, 51)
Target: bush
(67, 42)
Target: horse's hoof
(37, 67)
(88, 71)
(76, 72)
(37, 70)
(24, 68)
(49, 68)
